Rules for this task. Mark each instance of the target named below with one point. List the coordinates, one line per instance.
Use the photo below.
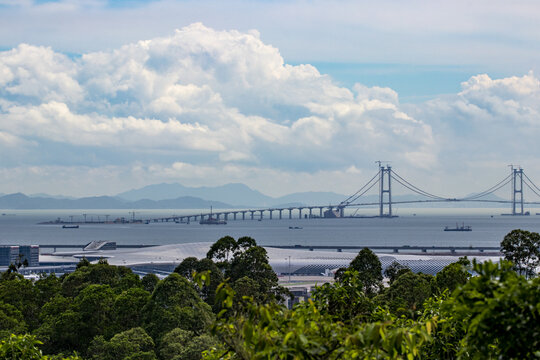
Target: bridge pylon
(517, 191)
(385, 191)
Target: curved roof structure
(283, 261)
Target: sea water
(413, 227)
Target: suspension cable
(398, 180)
(529, 186)
(348, 200)
(533, 184)
(491, 190)
(418, 190)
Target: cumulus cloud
(203, 104)
(213, 96)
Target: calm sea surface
(422, 227)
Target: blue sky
(129, 93)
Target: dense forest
(229, 306)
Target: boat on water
(463, 227)
(70, 226)
(210, 220)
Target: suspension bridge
(386, 178)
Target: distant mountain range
(177, 196)
(238, 195)
(22, 202)
(171, 196)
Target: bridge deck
(389, 248)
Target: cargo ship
(463, 227)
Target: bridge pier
(290, 213)
(270, 210)
(261, 213)
(280, 210)
(320, 211)
(310, 212)
(300, 212)
(226, 216)
(234, 215)
(252, 214)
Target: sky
(99, 97)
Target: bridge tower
(517, 191)
(385, 188)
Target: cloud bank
(207, 107)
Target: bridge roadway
(257, 214)
(331, 211)
(394, 249)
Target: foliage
(394, 271)
(500, 313)
(133, 344)
(175, 304)
(244, 259)
(105, 312)
(149, 282)
(369, 269)
(408, 293)
(344, 300)
(25, 347)
(453, 275)
(270, 331)
(118, 278)
(127, 308)
(11, 320)
(522, 248)
(181, 344)
(192, 265)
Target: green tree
(26, 347)
(11, 320)
(181, 344)
(127, 309)
(59, 329)
(395, 270)
(176, 304)
(21, 293)
(408, 293)
(243, 258)
(369, 269)
(46, 287)
(453, 275)
(222, 251)
(149, 282)
(499, 313)
(190, 265)
(119, 278)
(270, 331)
(522, 248)
(133, 344)
(345, 300)
(94, 308)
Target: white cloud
(202, 106)
(225, 93)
